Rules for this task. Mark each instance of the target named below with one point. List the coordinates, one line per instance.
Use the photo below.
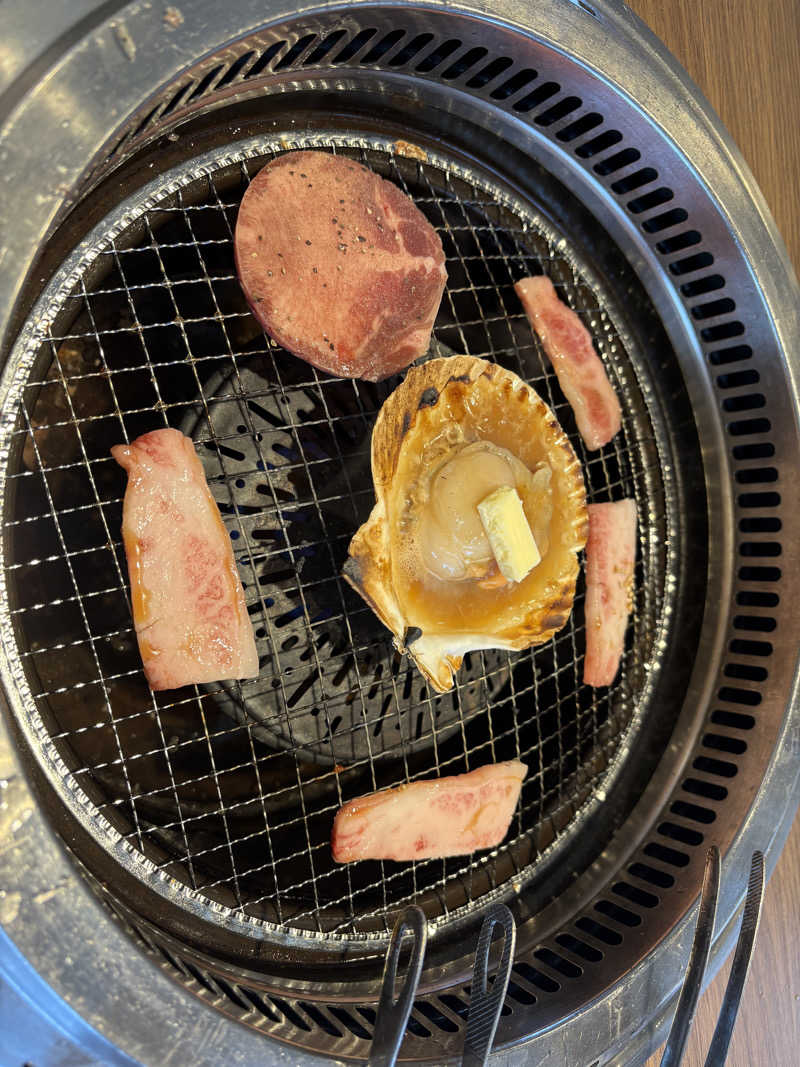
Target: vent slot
(598, 144)
(267, 56)
(326, 45)
(646, 873)
(489, 73)
(233, 994)
(618, 914)
(173, 103)
(722, 743)
(297, 50)
(384, 45)
(733, 719)
(456, 1004)
(721, 768)
(598, 931)
(737, 379)
(757, 623)
(712, 310)
(689, 264)
(234, 70)
(410, 50)
(700, 286)
(635, 180)
(465, 63)
(349, 1020)
(579, 127)
(558, 963)
(437, 56)
(319, 1018)
(514, 84)
(559, 111)
(650, 200)
(755, 599)
(729, 355)
(678, 243)
(538, 96)
(535, 977)
(708, 790)
(693, 811)
(757, 474)
(666, 855)
(204, 83)
(743, 427)
(437, 1017)
(758, 500)
(635, 895)
(289, 1013)
(739, 696)
(760, 574)
(723, 332)
(758, 450)
(416, 1027)
(674, 217)
(579, 948)
(681, 833)
(520, 994)
(616, 162)
(751, 648)
(768, 549)
(748, 671)
(262, 1006)
(354, 46)
(205, 980)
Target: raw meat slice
(579, 369)
(443, 817)
(338, 265)
(610, 558)
(188, 605)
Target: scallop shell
(438, 621)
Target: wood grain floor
(745, 56)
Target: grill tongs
(393, 1013)
(486, 1001)
(698, 957)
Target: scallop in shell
(453, 431)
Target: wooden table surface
(745, 56)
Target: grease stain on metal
(125, 41)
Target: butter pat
(509, 533)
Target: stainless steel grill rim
(722, 201)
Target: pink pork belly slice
(578, 367)
(424, 820)
(188, 605)
(610, 558)
(339, 266)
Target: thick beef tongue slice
(338, 265)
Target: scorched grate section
(231, 788)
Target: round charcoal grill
(155, 332)
(202, 816)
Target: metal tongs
(698, 957)
(393, 1012)
(486, 1001)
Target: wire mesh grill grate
(231, 788)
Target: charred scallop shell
(462, 417)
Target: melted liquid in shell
(452, 541)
